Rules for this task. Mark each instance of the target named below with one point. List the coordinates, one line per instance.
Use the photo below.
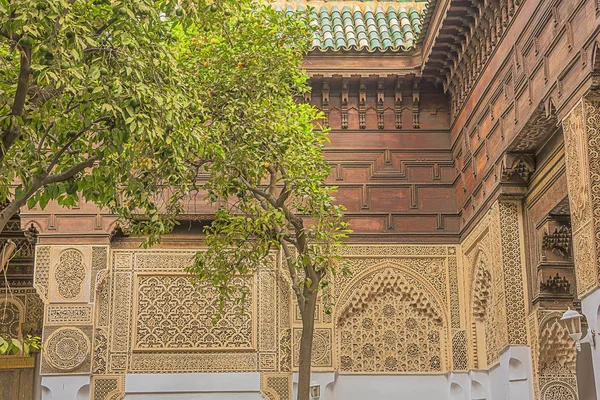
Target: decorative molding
(68, 314)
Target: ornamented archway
(389, 321)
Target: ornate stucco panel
(66, 278)
(582, 152)
(152, 318)
(396, 295)
(494, 283)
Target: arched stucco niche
(456, 392)
(477, 391)
(480, 302)
(518, 384)
(380, 316)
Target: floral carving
(70, 274)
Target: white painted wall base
(217, 386)
(66, 387)
(510, 379)
(590, 307)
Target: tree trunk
(305, 356)
(7, 213)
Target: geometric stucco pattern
(513, 263)
(276, 386)
(494, 282)
(107, 387)
(142, 314)
(582, 154)
(62, 278)
(153, 319)
(148, 317)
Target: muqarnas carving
(556, 284)
(558, 241)
(557, 361)
(382, 323)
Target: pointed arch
(380, 316)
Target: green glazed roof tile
(369, 27)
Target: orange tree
(113, 101)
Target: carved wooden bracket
(416, 101)
(398, 104)
(517, 165)
(362, 105)
(345, 89)
(380, 102)
(325, 102)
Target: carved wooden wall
(534, 76)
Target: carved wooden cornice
(467, 37)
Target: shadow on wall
(46, 393)
(586, 384)
(477, 391)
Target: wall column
(582, 148)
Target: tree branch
(71, 172)
(273, 180)
(12, 133)
(293, 274)
(108, 23)
(73, 139)
(14, 206)
(286, 191)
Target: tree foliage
(126, 103)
